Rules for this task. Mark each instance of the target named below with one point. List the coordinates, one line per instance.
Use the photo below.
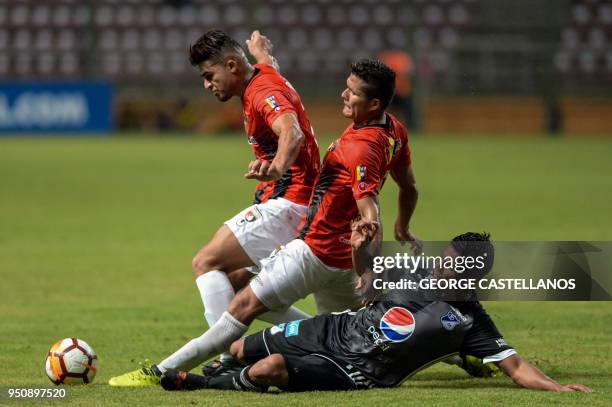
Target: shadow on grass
(475, 384)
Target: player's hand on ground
(403, 235)
(259, 44)
(575, 387)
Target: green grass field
(97, 236)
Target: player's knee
(237, 350)
(203, 262)
(270, 369)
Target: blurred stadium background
(465, 66)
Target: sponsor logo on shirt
(292, 328)
(344, 240)
(397, 324)
(271, 101)
(449, 320)
(378, 339)
(394, 147)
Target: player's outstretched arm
(290, 139)
(406, 203)
(366, 235)
(526, 375)
(261, 48)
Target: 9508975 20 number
(31, 393)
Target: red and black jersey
(267, 96)
(355, 166)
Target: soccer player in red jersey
(319, 260)
(286, 163)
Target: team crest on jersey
(449, 320)
(250, 215)
(277, 328)
(397, 324)
(251, 140)
(271, 101)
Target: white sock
(216, 292)
(285, 315)
(217, 339)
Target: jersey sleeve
(403, 157)
(270, 103)
(366, 164)
(484, 341)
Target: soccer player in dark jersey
(381, 345)
(319, 260)
(286, 163)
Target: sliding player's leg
(242, 242)
(278, 357)
(290, 274)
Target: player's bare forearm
(369, 212)
(407, 198)
(267, 59)
(408, 193)
(528, 376)
(290, 139)
(366, 234)
(260, 48)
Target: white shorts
(262, 228)
(294, 271)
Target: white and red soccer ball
(71, 361)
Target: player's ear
(374, 105)
(231, 64)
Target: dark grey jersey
(389, 341)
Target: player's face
(357, 106)
(449, 251)
(218, 79)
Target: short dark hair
(379, 79)
(213, 46)
(476, 244)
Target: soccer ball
(71, 361)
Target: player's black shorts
(310, 365)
